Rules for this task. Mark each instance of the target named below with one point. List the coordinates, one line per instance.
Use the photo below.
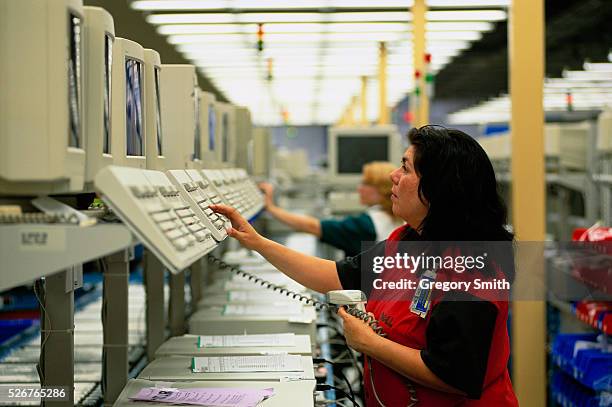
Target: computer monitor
(99, 36)
(156, 143)
(262, 152)
(349, 148)
(208, 128)
(128, 115)
(604, 132)
(244, 139)
(180, 116)
(226, 133)
(42, 146)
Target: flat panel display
(212, 127)
(108, 64)
(133, 106)
(355, 151)
(158, 119)
(197, 135)
(75, 137)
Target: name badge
(422, 295)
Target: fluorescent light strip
(587, 75)
(598, 67)
(267, 18)
(239, 39)
(293, 47)
(341, 48)
(315, 4)
(174, 29)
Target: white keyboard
(237, 190)
(156, 212)
(195, 189)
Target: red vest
(406, 328)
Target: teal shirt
(348, 234)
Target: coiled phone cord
(364, 316)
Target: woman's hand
(358, 334)
(268, 191)
(241, 229)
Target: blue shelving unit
(584, 375)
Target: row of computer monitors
(76, 98)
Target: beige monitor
(244, 139)
(226, 134)
(128, 120)
(349, 148)
(100, 36)
(262, 152)
(156, 143)
(181, 116)
(42, 143)
(208, 127)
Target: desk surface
(294, 393)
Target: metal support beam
(421, 110)
(592, 196)
(526, 47)
(155, 316)
(176, 307)
(115, 326)
(383, 114)
(364, 100)
(351, 111)
(606, 193)
(57, 334)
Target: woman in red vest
(441, 347)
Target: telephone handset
(354, 301)
(351, 298)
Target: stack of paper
(247, 364)
(239, 341)
(285, 309)
(210, 397)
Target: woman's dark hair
(458, 183)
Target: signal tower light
(260, 33)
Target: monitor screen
(212, 127)
(160, 152)
(108, 64)
(355, 151)
(74, 82)
(133, 106)
(196, 134)
(224, 137)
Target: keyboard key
(162, 216)
(201, 235)
(181, 243)
(167, 225)
(190, 220)
(173, 234)
(195, 227)
(184, 212)
(153, 205)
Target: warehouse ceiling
(314, 51)
(301, 61)
(576, 31)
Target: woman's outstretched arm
(313, 272)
